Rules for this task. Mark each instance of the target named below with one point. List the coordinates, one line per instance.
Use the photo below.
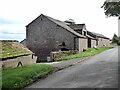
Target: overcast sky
(16, 14)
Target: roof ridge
(98, 34)
(63, 24)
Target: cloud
(15, 15)
(11, 29)
(5, 21)
(12, 36)
(6, 32)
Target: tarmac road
(99, 71)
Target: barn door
(89, 42)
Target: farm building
(81, 29)
(101, 40)
(46, 34)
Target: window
(57, 25)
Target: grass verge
(17, 78)
(88, 52)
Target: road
(100, 71)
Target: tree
(112, 8)
(115, 39)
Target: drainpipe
(119, 26)
(74, 43)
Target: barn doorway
(89, 42)
(63, 47)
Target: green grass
(16, 78)
(88, 52)
(0, 78)
(11, 48)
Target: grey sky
(16, 14)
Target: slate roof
(91, 37)
(93, 34)
(76, 26)
(72, 27)
(63, 25)
(79, 27)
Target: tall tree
(112, 8)
(115, 39)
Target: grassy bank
(10, 48)
(16, 78)
(88, 52)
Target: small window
(41, 19)
(63, 44)
(57, 25)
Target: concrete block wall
(93, 43)
(83, 44)
(102, 42)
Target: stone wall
(24, 60)
(59, 54)
(44, 36)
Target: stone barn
(99, 39)
(45, 34)
(93, 39)
(81, 29)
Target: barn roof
(76, 26)
(79, 27)
(96, 35)
(63, 25)
(72, 27)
